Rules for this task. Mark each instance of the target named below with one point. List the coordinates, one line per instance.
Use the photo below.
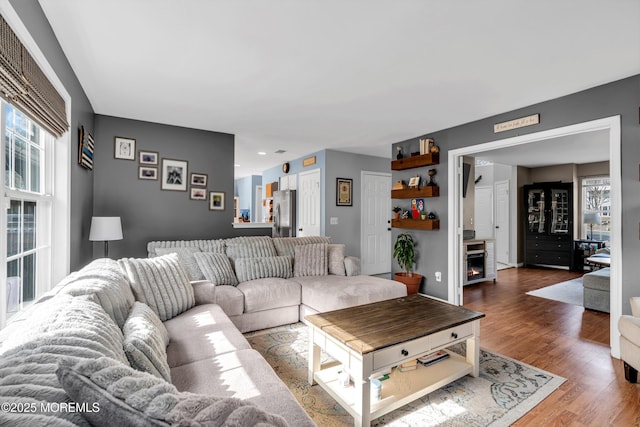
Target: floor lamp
(105, 228)
(592, 218)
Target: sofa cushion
(249, 247)
(187, 260)
(335, 259)
(310, 260)
(145, 341)
(128, 397)
(200, 333)
(107, 285)
(285, 246)
(243, 374)
(598, 279)
(230, 299)
(217, 245)
(265, 294)
(161, 283)
(328, 293)
(263, 267)
(216, 268)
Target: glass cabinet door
(535, 211)
(559, 211)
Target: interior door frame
(363, 174)
(512, 237)
(612, 125)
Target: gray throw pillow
(335, 255)
(145, 341)
(161, 283)
(128, 397)
(216, 268)
(310, 260)
(263, 267)
(187, 260)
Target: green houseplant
(404, 254)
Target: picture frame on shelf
(124, 148)
(150, 173)
(197, 193)
(199, 179)
(148, 157)
(216, 200)
(174, 174)
(344, 192)
(414, 182)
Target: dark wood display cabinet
(548, 223)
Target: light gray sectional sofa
(136, 342)
(257, 293)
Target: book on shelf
(407, 368)
(432, 358)
(409, 365)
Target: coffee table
(372, 338)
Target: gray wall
(147, 212)
(617, 98)
(348, 165)
(34, 19)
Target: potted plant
(396, 212)
(403, 252)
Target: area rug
(505, 390)
(569, 292)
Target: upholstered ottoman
(596, 290)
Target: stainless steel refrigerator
(284, 213)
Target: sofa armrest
(352, 266)
(205, 292)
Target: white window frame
(583, 232)
(60, 179)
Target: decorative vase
(411, 281)
(396, 215)
(423, 216)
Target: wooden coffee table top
(370, 327)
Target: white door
(375, 246)
(483, 212)
(309, 203)
(502, 221)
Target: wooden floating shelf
(416, 161)
(419, 224)
(410, 193)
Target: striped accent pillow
(311, 260)
(187, 260)
(216, 268)
(263, 267)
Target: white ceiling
(352, 75)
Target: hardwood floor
(564, 339)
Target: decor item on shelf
(404, 254)
(433, 148)
(414, 182)
(425, 145)
(431, 215)
(344, 191)
(105, 228)
(405, 215)
(400, 185)
(592, 218)
(125, 148)
(396, 212)
(417, 208)
(432, 173)
(423, 216)
(399, 155)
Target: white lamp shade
(592, 218)
(105, 228)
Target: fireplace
(475, 266)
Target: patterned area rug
(569, 292)
(505, 390)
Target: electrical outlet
(438, 276)
(333, 220)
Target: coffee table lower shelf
(401, 388)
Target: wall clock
(285, 167)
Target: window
(27, 150)
(596, 208)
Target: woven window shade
(23, 84)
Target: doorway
(375, 241)
(611, 127)
(309, 203)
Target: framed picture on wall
(198, 193)
(199, 179)
(125, 148)
(216, 200)
(174, 175)
(147, 173)
(344, 192)
(148, 157)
